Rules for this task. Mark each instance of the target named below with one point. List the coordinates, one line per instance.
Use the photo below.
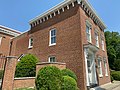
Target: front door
(91, 70)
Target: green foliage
(68, 72)
(117, 65)
(1, 74)
(113, 47)
(68, 83)
(111, 77)
(116, 75)
(52, 78)
(49, 78)
(27, 66)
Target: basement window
(52, 59)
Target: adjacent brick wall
(24, 82)
(57, 64)
(9, 73)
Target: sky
(16, 14)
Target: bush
(49, 78)
(116, 75)
(117, 65)
(27, 66)
(67, 72)
(112, 79)
(1, 74)
(68, 83)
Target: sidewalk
(110, 86)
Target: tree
(113, 47)
(27, 66)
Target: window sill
(106, 75)
(30, 47)
(100, 76)
(52, 44)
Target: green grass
(26, 89)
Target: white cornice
(83, 3)
(8, 31)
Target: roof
(9, 31)
(83, 3)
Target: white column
(86, 66)
(95, 79)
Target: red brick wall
(71, 37)
(24, 82)
(83, 18)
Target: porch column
(86, 66)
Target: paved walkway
(111, 86)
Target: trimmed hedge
(27, 66)
(116, 75)
(1, 74)
(48, 78)
(69, 83)
(52, 78)
(68, 72)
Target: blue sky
(17, 13)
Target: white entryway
(91, 76)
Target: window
(100, 67)
(102, 42)
(0, 40)
(30, 43)
(52, 59)
(96, 39)
(52, 37)
(22, 55)
(105, 66)
(88, 33)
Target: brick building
(71, 33)
(6, 35)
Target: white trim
(85, 3)
(50, 58)
(0, 40)
(30, 46)
(51, 44)
(86, 67)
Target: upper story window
(88, 31)
(52, 59)
(102, 43)
(100, 67)
(52, 37)
(0, 40)
(30, 43)
(97, 39)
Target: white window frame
(0, 40)
(100, 67)
(103, 44)
(50, 58)
(30, 42)
(105, 66)
(54, 36)
(96, 38)
(22, 55)
(88, 34)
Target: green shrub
(68, 72)
(49, 78)
(27, 66)
(68, 83)
(116, 75)
(117, 65)
(1, 74)
(111, 77)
